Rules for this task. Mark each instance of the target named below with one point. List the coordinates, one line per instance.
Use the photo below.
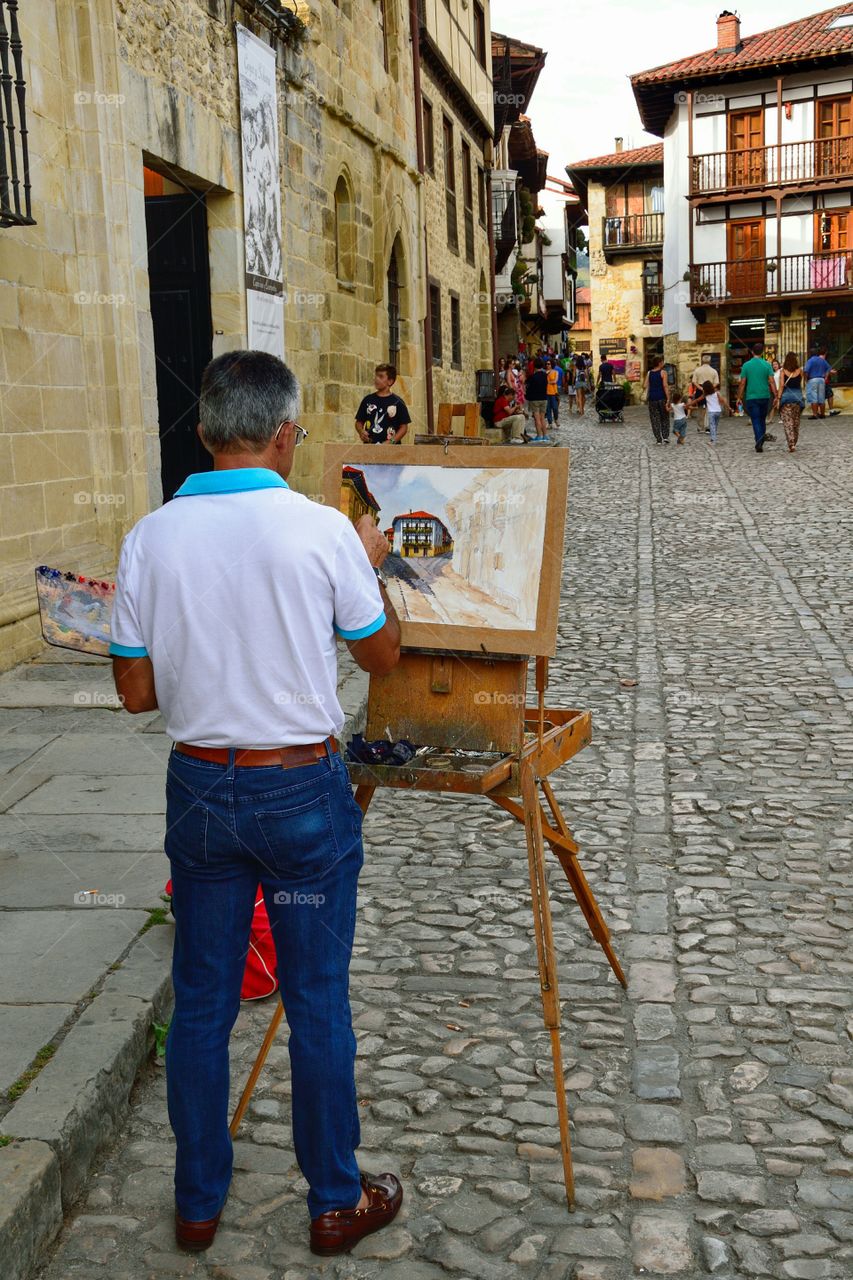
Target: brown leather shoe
(195, 1236)
(340, 1230)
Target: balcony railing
(754, 279)
(505, 220)
(653, 303)
(793, 163)
(633, 231)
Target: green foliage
(161, 1030)
(156, 915)
(23, 1082)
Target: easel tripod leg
(579, 884)
(548, 983)
(246, 1095)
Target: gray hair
(245, 395)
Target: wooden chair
(471, 414)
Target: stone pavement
(707, 624)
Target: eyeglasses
(301, 432)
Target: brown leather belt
(286, 757)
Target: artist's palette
(75, 611)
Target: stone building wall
(451, 271)
(616, 290)
(113, 85)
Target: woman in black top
(656, 387)
(791, 400)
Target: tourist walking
(791, 400)
(581, 380)
(552, 374)
(757, 390)
(537, 395)
(679, 417)
(714, 402)
(817, 371)
(777, 378)
(704, 372)
(656, 391)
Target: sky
(401, 489)
(583, 99)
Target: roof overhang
(656, 98)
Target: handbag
(792, 395)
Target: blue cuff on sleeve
(127, 651)
(363, 632)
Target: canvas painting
(75, 611)
(471, 547)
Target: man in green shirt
(757, 390)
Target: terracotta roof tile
(639, 155)
(806, 38)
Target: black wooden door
(180, 310)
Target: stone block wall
(113, 85)
(455, 382)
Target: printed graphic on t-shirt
(382, 417)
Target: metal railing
(747, 279)
(15, 203)
(653, 301)
(505, 221)
(813, 161)
(632, 231)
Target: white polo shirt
(235, 590)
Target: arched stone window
(344, 232)
(393, 290)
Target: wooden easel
(475, 703)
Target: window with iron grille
(455, 332)
(435, 320)
(15, 206)
(393, 308)
(481, 194)
(450, 186)
(468, 202)
(429, 138)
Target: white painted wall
(677, 317)
(709, 135)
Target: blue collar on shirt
(231, 480)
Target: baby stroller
(609, 402)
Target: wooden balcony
(633, 232)
(818, 162)
(798, 275)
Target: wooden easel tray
(565, 733)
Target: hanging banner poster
(261, 193)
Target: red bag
(259, 978)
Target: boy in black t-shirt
(382, 418)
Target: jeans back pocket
(300, 842)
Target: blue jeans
(757, 410)
(713, 423)
(297, 832)
(552, 413)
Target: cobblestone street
(707, 622)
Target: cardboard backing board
(477, 536)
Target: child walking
(679, 417)
(715, 402)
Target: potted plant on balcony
(654, 315)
